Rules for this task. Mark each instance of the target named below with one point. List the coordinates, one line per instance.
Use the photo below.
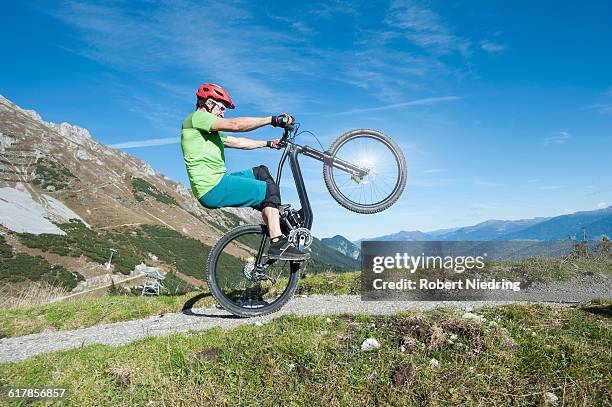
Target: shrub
(140, 188)
(24, 267)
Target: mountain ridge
(597, 222)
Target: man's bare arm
(240, 124)
(244, 143)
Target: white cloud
(147, 143)
(491, 46)
(602, 108)
(417, 102)
(259, 59)
(558, 137)
(424, 27)
(157, 41)
(334, 7)
(552, 187)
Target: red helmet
(210, 90)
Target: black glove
(282, 120)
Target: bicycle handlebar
(283, 140)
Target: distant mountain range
(343, 245)
(597, 224)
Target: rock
(369, 344)
(550, 399)
(434, 363)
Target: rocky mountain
(342, 245)
(56, 171)
(51, 173)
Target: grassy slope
(88, 312)
(526, 352)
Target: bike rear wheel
(381, 157)
(233, 276)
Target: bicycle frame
(292, 150)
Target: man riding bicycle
(203, 147)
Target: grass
(82, 313)
(330, 283)
(32, 293)
(514, 358)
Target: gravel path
(198, 319)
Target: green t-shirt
(203, 152)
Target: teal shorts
(238, 189)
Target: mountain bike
(364, 171)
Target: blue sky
(503, 109)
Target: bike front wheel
(243, 285)
(386, 169)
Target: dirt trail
(19, 348)
(23, 347)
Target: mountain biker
(203, 147)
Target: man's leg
(269, 213)
(272, 218)
(280, 248)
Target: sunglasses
(221, 106)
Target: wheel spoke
(372, 151)
(239, 283)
